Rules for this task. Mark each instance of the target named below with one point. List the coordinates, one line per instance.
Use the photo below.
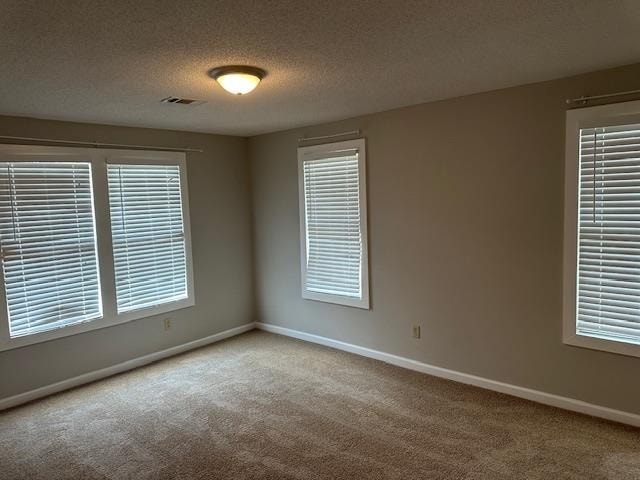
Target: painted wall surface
(219, 199)
(465, 233)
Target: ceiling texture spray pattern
(112, 62)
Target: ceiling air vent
(182, 101)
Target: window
(89, 238)
(48, 239)
(602, 230)
(148, 235)
(333, 223)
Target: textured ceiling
(112, 61)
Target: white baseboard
(522, 392)
(25, 397)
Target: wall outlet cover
(416, 331)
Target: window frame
(318, 152)
(576, 119)
(98, 158)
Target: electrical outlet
(167, 324)
(416, 331)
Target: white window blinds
(48, 241)
(333, 228)
(148, 235)
(608, 303)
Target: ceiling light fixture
(237, 79)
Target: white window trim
(316, 152)
(99, 158)
(628, 112)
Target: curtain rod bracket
(577, 101)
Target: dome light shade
(238, 79)
(238, 83)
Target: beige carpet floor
(262, 406)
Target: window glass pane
(333, 234)
(608, 298)
(148, 235)
(48, 240)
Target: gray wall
(219, 199)
(465, 231)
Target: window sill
(602, 344)
(97, 324)
(337, 299)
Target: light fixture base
(217, 72)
